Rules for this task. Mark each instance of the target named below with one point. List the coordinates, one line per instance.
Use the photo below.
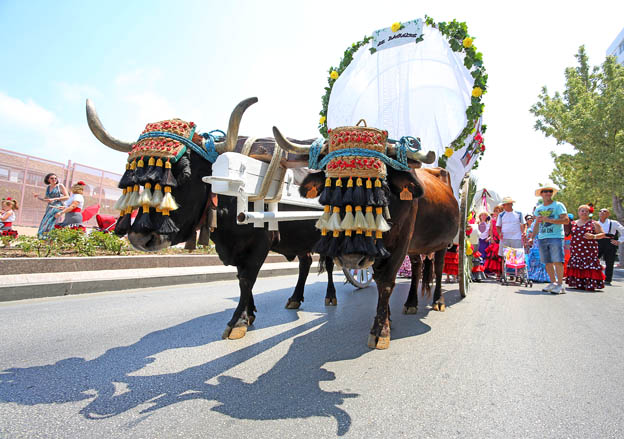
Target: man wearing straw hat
(550, 217)
(511, 226)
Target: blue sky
(144, 61)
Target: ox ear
(312, 185)
(404, 183)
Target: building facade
(22, 175)
(617, 48)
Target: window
(16, 176)
(35, 179)
(4, 173)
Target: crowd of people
(559, 249)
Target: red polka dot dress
(584, 269)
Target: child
(451, 263)
(7, 215)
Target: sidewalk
(36, 285)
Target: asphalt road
(504, 362)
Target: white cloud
(28, 114)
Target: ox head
(355, 222)
(174, 199)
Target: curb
(94, 263)
(55, 289)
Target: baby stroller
(105, 223)
(514, 268)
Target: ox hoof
(331, 302)
(226, 333)
(410, 310)
(237, 332)
(439, 307)
(293, 304)
(375, 342)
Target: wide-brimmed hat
(538, 191)
(507, 200)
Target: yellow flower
(395, 26)
(467, 42)
(449, 152)
(477, 92)
(334, 75)
(322, 120)
(468, 248)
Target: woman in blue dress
(537, 270)
(55, 195)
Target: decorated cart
(421, 83)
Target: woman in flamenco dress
(584, 269)
(493, 262)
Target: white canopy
(485, 199)
(418, 89)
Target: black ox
(243, 246)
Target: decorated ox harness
(160, 145)
(354, 195)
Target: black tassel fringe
(371, 250)
(123, 225)
(142, 224)
(326, 196)
(168, 226)
(359, 196)
(154, 174)
(322, 245)
(127, 179)
(168, 179)
(336, 198)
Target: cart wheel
(462, 278)
(359, 278)
(530, 284)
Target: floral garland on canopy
(459, 41)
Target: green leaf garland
(458, 38)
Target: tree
(589, 115)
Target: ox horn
(291, 147)
(101, 134)
(229, 143)
(417, 156)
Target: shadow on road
(290, 388)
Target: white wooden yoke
(244, 177)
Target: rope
(315, 152)
(404, 144)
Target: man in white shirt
(511, 226)
(607, 247)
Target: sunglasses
(547, 191)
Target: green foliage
(69, 241)
(589, 115)
(108, 242)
